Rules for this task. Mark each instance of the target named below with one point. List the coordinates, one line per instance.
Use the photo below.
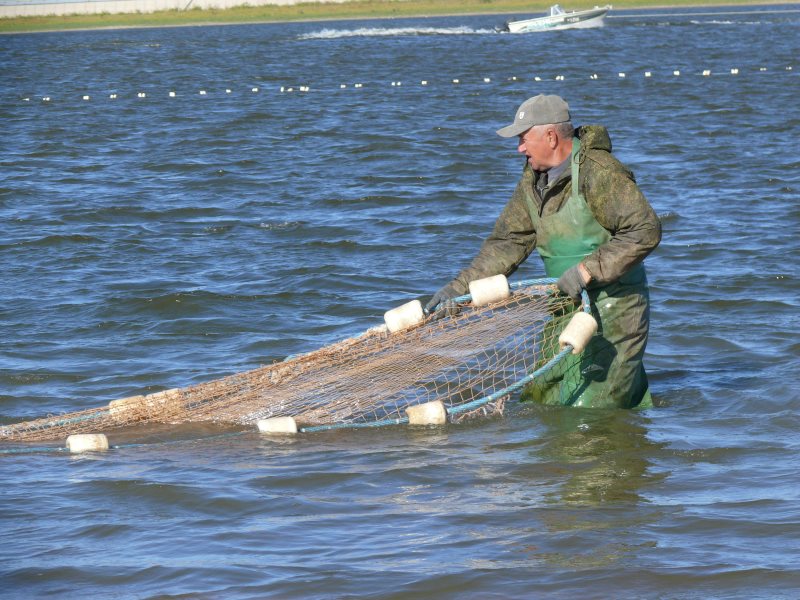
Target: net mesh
(369, 379)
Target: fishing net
(471, 362)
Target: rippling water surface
(153, 242)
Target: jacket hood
(594, 137)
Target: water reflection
(603, 455)
(593, 516)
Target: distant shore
(316, 11)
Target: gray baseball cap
(539, 110)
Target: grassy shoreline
(316, 11)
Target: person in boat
(581, 209)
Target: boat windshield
(556, 10)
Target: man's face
(535, 145)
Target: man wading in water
(592, 235)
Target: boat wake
(330, 34)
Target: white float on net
(277, 425)
(404, 316)
(489, 289)
(124, 408)
(87, 442)
(430, 413)
(578, 332)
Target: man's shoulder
(603, 160)
(596, 150)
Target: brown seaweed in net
(495, 408)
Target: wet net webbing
(470, 361)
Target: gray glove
(571, 283)
(443, 299)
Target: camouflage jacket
(613, 197)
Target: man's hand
(573, 281)
(444, 300)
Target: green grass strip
(315, 11)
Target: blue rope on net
(65, 450)
(479, 402)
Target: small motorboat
(560, 19)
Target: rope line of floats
(288, 89)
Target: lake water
(157, 241)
